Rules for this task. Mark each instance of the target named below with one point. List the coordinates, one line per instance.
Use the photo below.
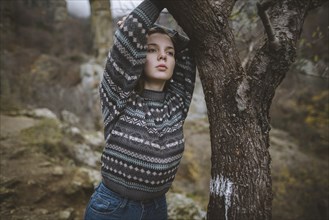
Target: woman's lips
(161, 67)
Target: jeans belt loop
(156, 202)
(124, 202)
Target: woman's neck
(154, 85)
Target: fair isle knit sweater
(143, 133)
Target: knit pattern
(143, 133)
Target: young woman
(145, 94)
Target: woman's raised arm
(126, 59)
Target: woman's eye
(151, 50)
(170, 53)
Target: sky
(81, 8)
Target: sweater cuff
(149, 11)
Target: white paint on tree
(223, 187)
(241, 95)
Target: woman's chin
(160, 76)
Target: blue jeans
(108, 205)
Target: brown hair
(139, 88)
(160, 30)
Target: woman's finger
(120, 22)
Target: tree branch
(261, 9)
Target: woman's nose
(162, 55)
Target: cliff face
(52, 10)
(6, 12)
(42, 49)
(60, 13)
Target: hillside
(51, 129)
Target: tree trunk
(238, 100)
(101, 28)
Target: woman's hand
(120, 22)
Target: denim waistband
(103, 186)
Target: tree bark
(238, 100)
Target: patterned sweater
(143, 133)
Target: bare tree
(239, 98)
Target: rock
(74, 133)
(69, 118)
(45, 69)
(94, 140)
(8, 188)
(181, 207)
(45, 164)
(42, 113)
(31, 182)
(16, 153)
(41, 211)
(82, 179)
(93, 175)
(85, 155)
(58, 171)
(90, 74)
(66, 214)
(5, 193)
(13, 125)
(46, 135)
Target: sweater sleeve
(125, 61)
(182, 83)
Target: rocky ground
(49, 168)
(39, 180)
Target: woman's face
(160, 59)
